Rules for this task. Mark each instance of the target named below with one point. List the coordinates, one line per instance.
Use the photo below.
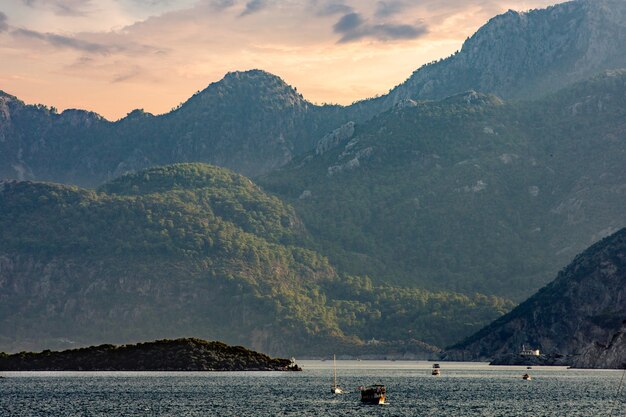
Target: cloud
(254, 6)
(222, 4)
(348, 23)
(134, 72)
(4, 26)
(389, 8)
(330, 9)
(353, 27)
(60, 41)
(152, 2)
(62, 7)
(333, 50)
(106, 47)
(388, 31)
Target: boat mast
(334, 372)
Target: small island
(188, 354)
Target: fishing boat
(526, 377)
(436, 366)
(373, 394)
(335, 389)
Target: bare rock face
(334, 138)
(522, 55)
(597, 355)
(581, 313)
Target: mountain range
(408, 220)
(253, 122)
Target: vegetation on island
(161, 355)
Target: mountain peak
(521, 55)
(8, 97)
(137, 114)
(240, 88)
(254, 79)
(251, 74)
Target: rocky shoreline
(162, 355)
(542, 360)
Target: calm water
(462, 390)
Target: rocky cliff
(581, 313)
(521, 55)
(598, 355)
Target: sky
(113, 56)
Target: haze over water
(463, 389)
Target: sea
(462, 389)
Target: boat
(335, 389)
(436, 370)
(373, 394)
(526, 377)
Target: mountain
(525, 55)
(469, 193)
(253, 122)
(192, 249)
(249, 121)
(581, 311)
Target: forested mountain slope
(196, 250)
(469, 193)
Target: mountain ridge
(253, 122)
(522, 55)
(249, 121)
(580, 314)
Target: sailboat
(335, 389)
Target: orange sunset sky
(112, 56)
